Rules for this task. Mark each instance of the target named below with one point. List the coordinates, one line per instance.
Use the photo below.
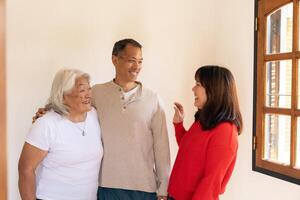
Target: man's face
(128, 63)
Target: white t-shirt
(71, 168)
(130, 93)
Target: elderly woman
(62, 153)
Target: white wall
(43, 36)
(234, 48)
(178, 37)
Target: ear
(114, 60)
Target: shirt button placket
(122, 98)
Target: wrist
(177, 122)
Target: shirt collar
(119, 88)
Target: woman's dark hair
(222, 103)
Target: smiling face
(199, 95)
(79, 99)
(128, 64)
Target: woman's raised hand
(179, 113)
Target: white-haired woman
(62, 153)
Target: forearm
(27, 185)
(161, 150)
(179, 131)
(162, 163)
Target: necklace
(81, 126)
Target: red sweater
(204, 162)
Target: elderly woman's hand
(179, 113)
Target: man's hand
(39, 113)
(162, 197)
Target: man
(136, 160)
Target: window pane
(298, 144)
(279, 83)
(280, 30)
(277, 138)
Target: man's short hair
(121, 44)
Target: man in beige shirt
(136, 160)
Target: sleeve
(39, 135)
(161, 148)
(219, 164)
(179, 131)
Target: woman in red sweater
(207, 151)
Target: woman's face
(199, 95)
(79, 100)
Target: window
(276, 137)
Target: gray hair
(63, 82)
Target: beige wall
(44, 36)
(234, 48)
(178, 36)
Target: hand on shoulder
(41, 112)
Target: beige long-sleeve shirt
(135, 139)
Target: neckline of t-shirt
(78, 123)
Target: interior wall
(234, 28)
(44, 36)
(178, 36)
(3, 149)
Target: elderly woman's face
(79, 100)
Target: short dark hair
(222, 102)
(120, 45)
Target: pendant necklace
(81, 127)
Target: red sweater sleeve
(179, 131)
(219, 164)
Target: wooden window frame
(262, 9)
(3, 170)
